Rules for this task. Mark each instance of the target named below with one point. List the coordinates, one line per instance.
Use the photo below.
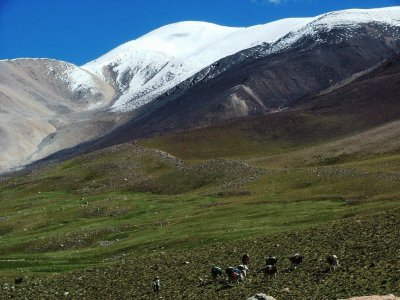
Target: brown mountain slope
(260, 84)
(360, 117)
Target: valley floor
(102, 225)
(367, 247)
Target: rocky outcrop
(261, 296)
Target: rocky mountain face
(183, 76)
(261, 81)
(47, 105)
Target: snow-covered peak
(147, 67)
(175, 40)
(388, 15)
(346, 19)
(152, 64)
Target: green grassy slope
(246, 138)
(141, 205)
(366, 245)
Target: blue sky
(81, 30)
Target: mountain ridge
(306, 57)
(152, 64)
(271, 33)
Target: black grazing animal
(245, 259)
(271, 260)
(333, 262)
(18, 280)
(296, 261)
(269, 271)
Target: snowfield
(147, 67)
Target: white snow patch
(147, 67)
(80, 79)
(349, 19)
(158, 61)
(76, 78)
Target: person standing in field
(156, 285)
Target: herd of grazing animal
(238, 274)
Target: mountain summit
(147, 67)
(183, 75)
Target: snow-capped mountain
(143, 69)
(149, 66)
(191, 71)
(349, 20)
(270, 77)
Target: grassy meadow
(83, 226)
